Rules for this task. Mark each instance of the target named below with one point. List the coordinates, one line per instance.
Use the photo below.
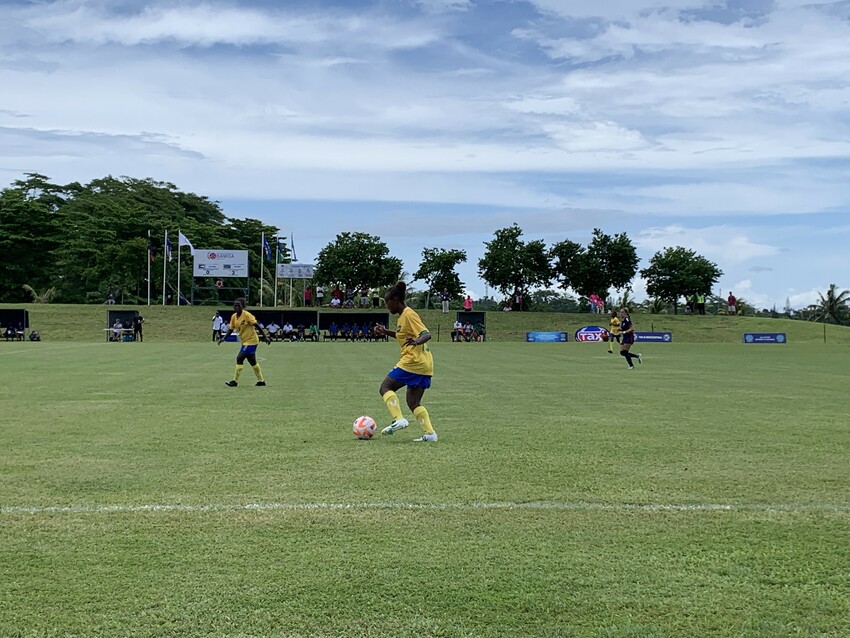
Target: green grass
(704, 494)
(58, 322)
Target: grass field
(703, 494)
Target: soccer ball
(364, 427)
(605, 336)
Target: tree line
(82, 243)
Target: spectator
(333, 331)
(9, 334)
(335, 302)
(457, 331)
(364, 297)
(320, 295)
(336, 296)
(218, 324)
(700, 297)
(467, 303)
(518, 301)
(480, 332)
(731, 304)
(376, 299)
(138, 320)
(467, 331)
(288, 331)
(348, 298)
(273, 329)
(308, 296)
(34, 336)
(346, 331)
(314, 332)
(445, 298)
(594, 303)
(299, 333)
(117, 329)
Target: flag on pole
(266, 248)
(292, 244)
(168, 247)
(281, 248)
(183, 241)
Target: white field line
(480, 506)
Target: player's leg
(240, 360)
(414, 402)
(388, 394)
(624, 352)
(252, 360)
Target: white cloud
(722, 244)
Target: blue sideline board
(765, 337)
(546, 337)
(654, 337)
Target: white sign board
(295, 271)
(220, 263)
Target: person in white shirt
(273, 329)
(218, 323)
(288, 330)
(457, 331)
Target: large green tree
(513, 266)
(357, 259)
(606, 262)
(437, 269)
(676, 272)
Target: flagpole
(179, 246)
(149, 267)
(276, 257)
(262, 264)
(164, 264)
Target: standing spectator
(364, 297)
(594, 303)
(467, 303)
(336, 297)
(414, 369)
(518, 300)
(138, 320)
(376, 298)
(308, 296)
(700, 297)
(320, 295)
(445, 298)
(627, 334)
(218, 323)
(731, 304)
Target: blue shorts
(248, 350)
(410, 379)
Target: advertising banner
(590, 334)
(654, 337)
(546, 337)
(295, 271)
(220, 263)
(765, 337)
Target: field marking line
(792, 508)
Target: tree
(607, 262)
(677, 272)
(357, 259)
(437, 269)
(513, 266)
(832, 307)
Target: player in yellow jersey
(244, 323)
(414, 369)
(613, 331)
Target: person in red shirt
(731, 304)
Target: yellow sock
(258, 372)
(421, 415)
(391, 399)
(237, 372)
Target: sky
(723, 127)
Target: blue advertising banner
(655, 337)
(590, 334)
(546, 337)
(765, 337)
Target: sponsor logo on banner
(765, 337)
(656, 337)
(590, 334)
(546, 337)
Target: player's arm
(265, 336)
(384, 331)
(226, 335)
(418, 341)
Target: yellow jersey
(243, 325)
(614, 324)
(415, 359)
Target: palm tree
(43, 297)
(832, 308)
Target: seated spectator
(333, 331)
(298, 335)
(314, 332)
(467, 331)
(34, 336)
(348, 300)
(117, 328)
(457, 331)
(20, 333)
(336, 295)
(9, 334)
(273, 329)
(335, 302)
(480, 331)
(288, 331)
(345, 333)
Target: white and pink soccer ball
(364, 427)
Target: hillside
(57, 322)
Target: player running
(246, 325)
(414, 369)
(627, 333)
(613, 331)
